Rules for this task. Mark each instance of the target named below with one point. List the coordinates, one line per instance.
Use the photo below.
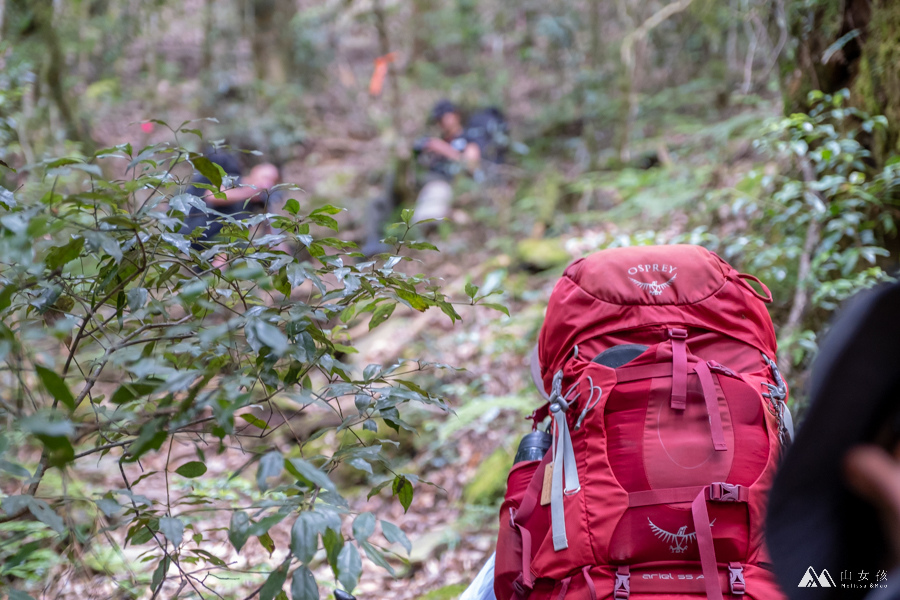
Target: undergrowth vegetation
(123, 347)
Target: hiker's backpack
(488, 128)
(656, 483)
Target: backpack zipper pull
(590, 404)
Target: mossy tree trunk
(272, 40)
(31, 22)
(854, 45)
(420, 26)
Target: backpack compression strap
(698, 496)
(707, 386)
(525, 582)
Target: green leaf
(133, 390)
(17, 595)
(327, 209)
(303, 585)
(108, 506)
(137, 298)
(274, 582)
(142, 535)
(416, 301)
(14, 469)
(63, 162)
(395, 535)
(381, 314)
(497, 307)
(403, 489)
(152, 436)
(324, 221)
(363, 526)
(57, 387)
(270, 465)
(334, 543)
(376, 556)
(312, 474)
(305, 537)
(371, 372)
(120, 221)
(59, 256)
(422, 246)
(159, 574)
(260, 333)
(253, 420)
(406, 215)
(448, 310)
(292, 206)
(54, 436)
(173, 529)
(3, 163)
(360, 464)
(239, 529)
(349, 566)
(471, 290)
(40, 509)
(6, 296)
(213, 172)
(266, 541)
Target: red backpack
(656, 483)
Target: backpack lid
(627, 288)
(657, 275)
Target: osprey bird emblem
(680, 539)
(653, 287)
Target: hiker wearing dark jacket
(253, 194)
(456, 149)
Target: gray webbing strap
(563, 464)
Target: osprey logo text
(654, 288)
(810, 579)
(680, 539)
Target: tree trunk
(859, 39)
(633, 49)
(421, 30)
(272, 40)
(589, 88)
(40, 28)
(402, 186)
(206, 61)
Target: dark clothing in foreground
(815, 521)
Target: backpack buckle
(736, 579)
(622, 588)
(678, 333)
(715, 366)
(521, 590)
(724, 492)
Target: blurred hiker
(834, 510)
(253, 193)
(456, 149)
